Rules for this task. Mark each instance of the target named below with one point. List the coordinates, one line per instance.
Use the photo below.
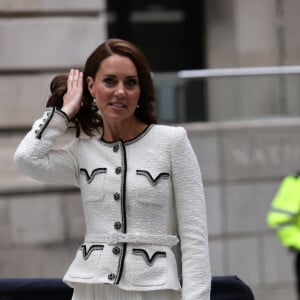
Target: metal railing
(224, 72)
(175, 85)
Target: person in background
(140, 182)
(284, 218)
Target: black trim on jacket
(90, 178)
(148, 260)
(123, 211)
(86, 254)
(47, 121)
(153, 181)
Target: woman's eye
(109, 81)
(131, 82)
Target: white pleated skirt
(111, 292)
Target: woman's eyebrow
(113, 75)
(132, 76)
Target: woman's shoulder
(169, 131)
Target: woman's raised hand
(73, 97)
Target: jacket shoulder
(169, 132)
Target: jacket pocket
(152, 188)
(86, 261)
(149, 267)
(148, 260)
(92, 183)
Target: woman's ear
(91, 85)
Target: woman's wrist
(69, 111)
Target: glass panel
(227, 98)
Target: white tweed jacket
(140, 197)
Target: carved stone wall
(38, 40)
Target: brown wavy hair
(88, 119)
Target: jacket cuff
(53, 116)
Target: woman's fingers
(74, 86)
(74, 78)
(73, 97)
(70, 78)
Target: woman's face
(116, 89)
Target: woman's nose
(120, 90)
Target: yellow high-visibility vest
(284, 215)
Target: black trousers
(297, 271)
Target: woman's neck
(125, 131)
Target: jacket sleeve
(36, 157)
(191, 218)
(283, 216)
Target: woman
(140, 182)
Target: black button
(117, 196)
(117, 225)
(116, 250)
(116, 148)
(111, 276)
(118, 170)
